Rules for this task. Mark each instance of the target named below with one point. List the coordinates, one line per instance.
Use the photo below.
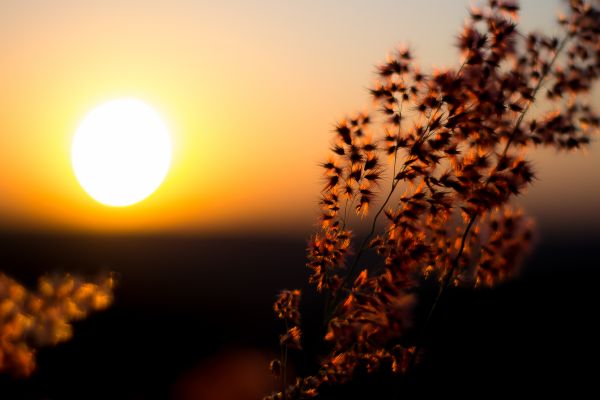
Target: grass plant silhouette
(444, 154)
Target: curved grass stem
(447, 279)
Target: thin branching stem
(395, 182)
(537, 88)
(447, 280)
(284, 358)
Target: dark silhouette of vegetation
(455, 142)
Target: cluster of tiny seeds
(455, 141)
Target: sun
(121, 152)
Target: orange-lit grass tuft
(455, 142)
(33, 319)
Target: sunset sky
(249, 90)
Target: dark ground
(183, 300)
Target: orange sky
(250, 91)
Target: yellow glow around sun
(121, 152)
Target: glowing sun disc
(121, 152)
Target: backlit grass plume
(439, 163)
(30, 320)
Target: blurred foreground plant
(452, 144)
(29, 320)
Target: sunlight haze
(250, 91)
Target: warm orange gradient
(249, 90)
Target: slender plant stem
(447, 281)
(534, 93)
(345, 213)
(455, 261)
(395, 183)
(367, 238)
(284, 357)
